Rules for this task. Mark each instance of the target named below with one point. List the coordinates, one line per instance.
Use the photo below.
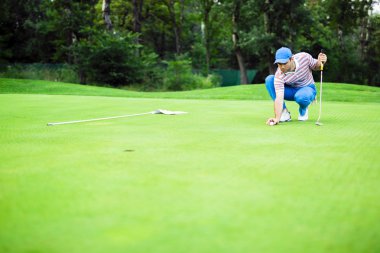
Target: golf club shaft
(320, 95)
(320, 92)
(97, 119)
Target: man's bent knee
(269, 80)
(303, 99)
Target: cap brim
(281, 61)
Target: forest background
(182, 44)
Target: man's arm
(278, 104)
(278, 107)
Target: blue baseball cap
(283, 55)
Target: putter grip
(322, 51)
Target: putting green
(214, 180)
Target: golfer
(292, 81)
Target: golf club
(318, 123)
(158, 111)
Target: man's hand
(272, 122)
(322, 58)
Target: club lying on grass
(158, 111)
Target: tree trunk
(137, 9)
(365, 28)
(235, 40)
(207, 5)
(176, 26)
(243, 71)
(106, 9)
(182, 10)
(340, 37)
(82, 77)
(207, 46)
(267, 27)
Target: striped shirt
(301, 77)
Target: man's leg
(269, 84)
(304, 96)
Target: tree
(106, 9)
(373, 50)
(236, 9)
(206, 7)
(20, 40)
(49, 31)
(110, 58)
(284, 23)
(137, 15)
(170, 4)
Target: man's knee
(304, 98)
(269, 84)
(269, 81)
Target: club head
(318, 123)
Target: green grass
(332, 91)
(214, 180)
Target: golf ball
(271, 123)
